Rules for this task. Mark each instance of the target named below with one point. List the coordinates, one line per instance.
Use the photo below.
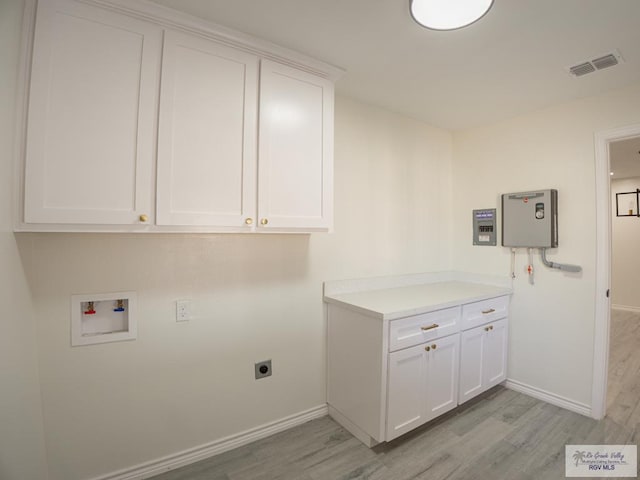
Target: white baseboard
(626, 308)
(549, 397)
(186, 457)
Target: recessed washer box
(103, 317)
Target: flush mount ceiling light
(448, 14)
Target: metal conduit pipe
(560, 266)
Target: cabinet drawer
(410, 331)
(479, 313)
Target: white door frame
(603, 264)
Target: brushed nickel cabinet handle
(427, 348)
(486, 312)
(430, 327)
(434, 346)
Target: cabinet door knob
(491, 327)
(427, 348)
(248, 221)
(486, 329)
(264, 221)
(430, 327)
(434, 346)
(487, 312)
(144, 218)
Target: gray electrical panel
(484, 227)
(530, 219)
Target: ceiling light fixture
(448, 14)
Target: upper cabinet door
(91, 119)
(207, 134)
(295, 166)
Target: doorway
(603, 144)
(624, 327)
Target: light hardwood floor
(502, 435)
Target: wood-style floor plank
(501, 435)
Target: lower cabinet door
(472, 353)
(496, 355)
(442, 383)
(483, 358)
(422, 384)
(407, 390)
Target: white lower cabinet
(483, 358)
(423, 384)
(390, 372)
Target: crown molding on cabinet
(171, 18)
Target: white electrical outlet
(183, 310)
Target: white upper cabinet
(91, 119)
(207, 134)
(295, 168)
(146, 121)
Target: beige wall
(552, 323)
(22, 452)
(625, 254)
(254, 297)
(397, 210)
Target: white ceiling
(510, 62)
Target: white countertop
(398, 302)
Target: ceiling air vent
(582, 69)
(606, 61)
(590, 66)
